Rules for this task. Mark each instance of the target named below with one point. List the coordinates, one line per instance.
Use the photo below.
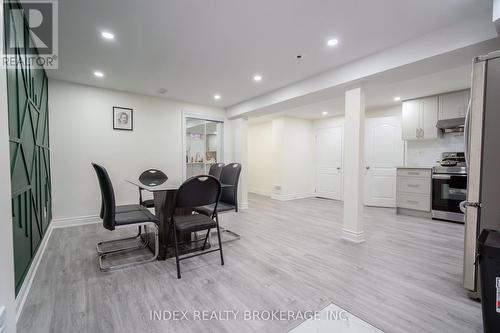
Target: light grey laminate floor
(406, 277)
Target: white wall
(239, 140)
(281, 158)
(260, 158)
(298, 159)
(7, 287)
(81, 132)
(496, 10)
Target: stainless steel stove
(449, 187)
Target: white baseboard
(28, 279)
(260, 192)
(287, 197)
(243, 205)
(353, 236)
(75, 221)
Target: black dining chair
(216, 170)
(150, 176)
(113, 220)
(196, 191)
(229, 196)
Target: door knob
(367, 168)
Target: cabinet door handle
(416, 132)
(412, 202)
(413, 185)
(422, 133)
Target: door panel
(329, 163)
(383, 153)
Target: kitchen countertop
(414, 167)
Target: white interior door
(384, 151)
(329, 163)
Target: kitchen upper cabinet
(419, 118)
(453, 105)
(411, 120)
(429, 107)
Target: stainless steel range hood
(451, 125)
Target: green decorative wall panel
(29, 153)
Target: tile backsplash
(427, 152)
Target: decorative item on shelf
(211, 157)
(123, 118)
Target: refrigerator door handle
(466, 132)
(464, 204)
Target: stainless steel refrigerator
(482, 150)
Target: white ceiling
(198, 48)
(436, 75)
(380, 93)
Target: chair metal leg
(206, 238)
(227, 231)
(100, 250)
(130, 264)
(220, 241)
(176, 253)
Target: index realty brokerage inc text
(224, 315)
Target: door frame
(203, 116)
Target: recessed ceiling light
(217, 97)
(107, 35)
(99, 74)
(332, 42)
(257, 77)
(397, 98)
(324, 113)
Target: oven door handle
(457, 191)
(440, 176)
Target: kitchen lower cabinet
(413, 196)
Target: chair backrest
(152, 175)
(198, 191)
(230, 176)
(216, 170)
(108, 197)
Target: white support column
(7, 298)
(353, 165)
(240, 155)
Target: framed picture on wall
(123, 118)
